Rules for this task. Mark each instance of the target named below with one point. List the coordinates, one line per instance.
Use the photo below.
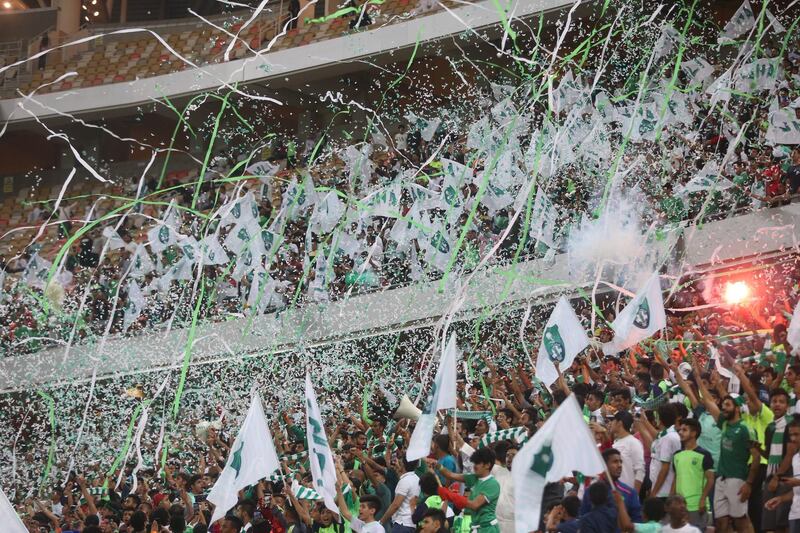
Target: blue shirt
(629, 496)
(449, 462)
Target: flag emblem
(254, 208)
(430, 402)
(188, 251)
(642, 318)
(236, 211)
(236, 462)
(243, 235)
(267, 237)
(163, 234)
(451, 196)
(543, 460)
(440, 243)
(554, 344)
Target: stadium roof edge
(270, 65)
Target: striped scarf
(776, 446)
(504, 434)
(294, 456)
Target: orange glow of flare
(736, 292)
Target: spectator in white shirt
(399, 511)
(666, 444)
(678, 516)
(630, 448)
(368, 506)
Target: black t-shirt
(793, 177)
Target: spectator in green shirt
(735, 478)
(694, 473)
(484, 491)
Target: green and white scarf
(504, 434)
(776, 446)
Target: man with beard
(779, 464)
(735, 477)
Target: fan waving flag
(441, 396)
(252, 458)
(8, 517)
(562, 340)
(323, 469)
(563, 445)
(641, 318)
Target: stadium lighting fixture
(736, 292)
(7, 5)
(96, 14)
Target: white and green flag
(741, 22)
(251, 459)
(161, 237)
(323, 469)
(709, 178)
(563, 445)
(115, 242)
(793, 331)
(441, 396)
(133, 309)
(327, 213)
(641, 318)
(784, 127)
(562, 340)
(213, 252)
(8, 516)
(385, 202)
(37, 272)
(141, 263)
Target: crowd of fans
(697, 425)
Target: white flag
(136, 303)
(562, 340)
(318, 288)
(641, 318)
(327, 213)
(793, 331)
(562, 445)
(697, 70)
(8, 516)
(323, 469)
(741, 21)
(141, 263)
(441, 396)
(161, 237)
(244, 236)
(37, 271)
(240, 210)
(777, 27)
(115, 242)
(213, 252)
(784, 127)
(252, 458)
(438, 247)
(263, 170)
(385, 202)
(709, 178)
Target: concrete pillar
(123, 11)
(68, 20)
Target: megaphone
(407, 409)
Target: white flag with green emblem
(563, 339)
(8, 516)
(252, 458)
(136, 303)
(441, 396)
(563, 445)
(323, 469)
(742, 21)
(641, 318)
